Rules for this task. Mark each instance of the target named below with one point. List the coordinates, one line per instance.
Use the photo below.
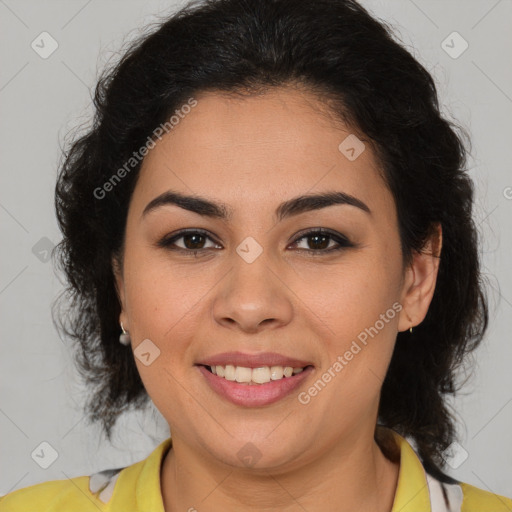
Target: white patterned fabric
(104, 483)
(453, 492)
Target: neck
(353, 476)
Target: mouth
(254, 387)
(254, 376)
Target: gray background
(42, 99)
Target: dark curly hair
(336, 50)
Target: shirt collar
(149, 491)
(412, 493)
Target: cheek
(163, 304)
(161, 293)
(356, 309)
(351, 297)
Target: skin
(253, 153)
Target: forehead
(253, 149)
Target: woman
(268, 233)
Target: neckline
(411, 492)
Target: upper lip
(253, 360)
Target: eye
(193, 241)
(319, 240)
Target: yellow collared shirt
(136, 488)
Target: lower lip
(255, 395)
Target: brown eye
(193, 241)
(188, 241)
(323, 241)
(319, 241)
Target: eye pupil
(193, 236)
(316, 238)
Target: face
(263, 279)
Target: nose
(253, 297)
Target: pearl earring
(410, 329)
(124, 337)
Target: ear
(119, 284)
(420, 281)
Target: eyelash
(343, 242)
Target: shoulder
(112, 489)
(80, 494)
(479, 500)
(419, 491)
(55, 495)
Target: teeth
(229, 372)
(250, 376)
(243, 374)
(276, 372)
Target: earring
(124, 337)
(410, 329)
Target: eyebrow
(289, 208)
